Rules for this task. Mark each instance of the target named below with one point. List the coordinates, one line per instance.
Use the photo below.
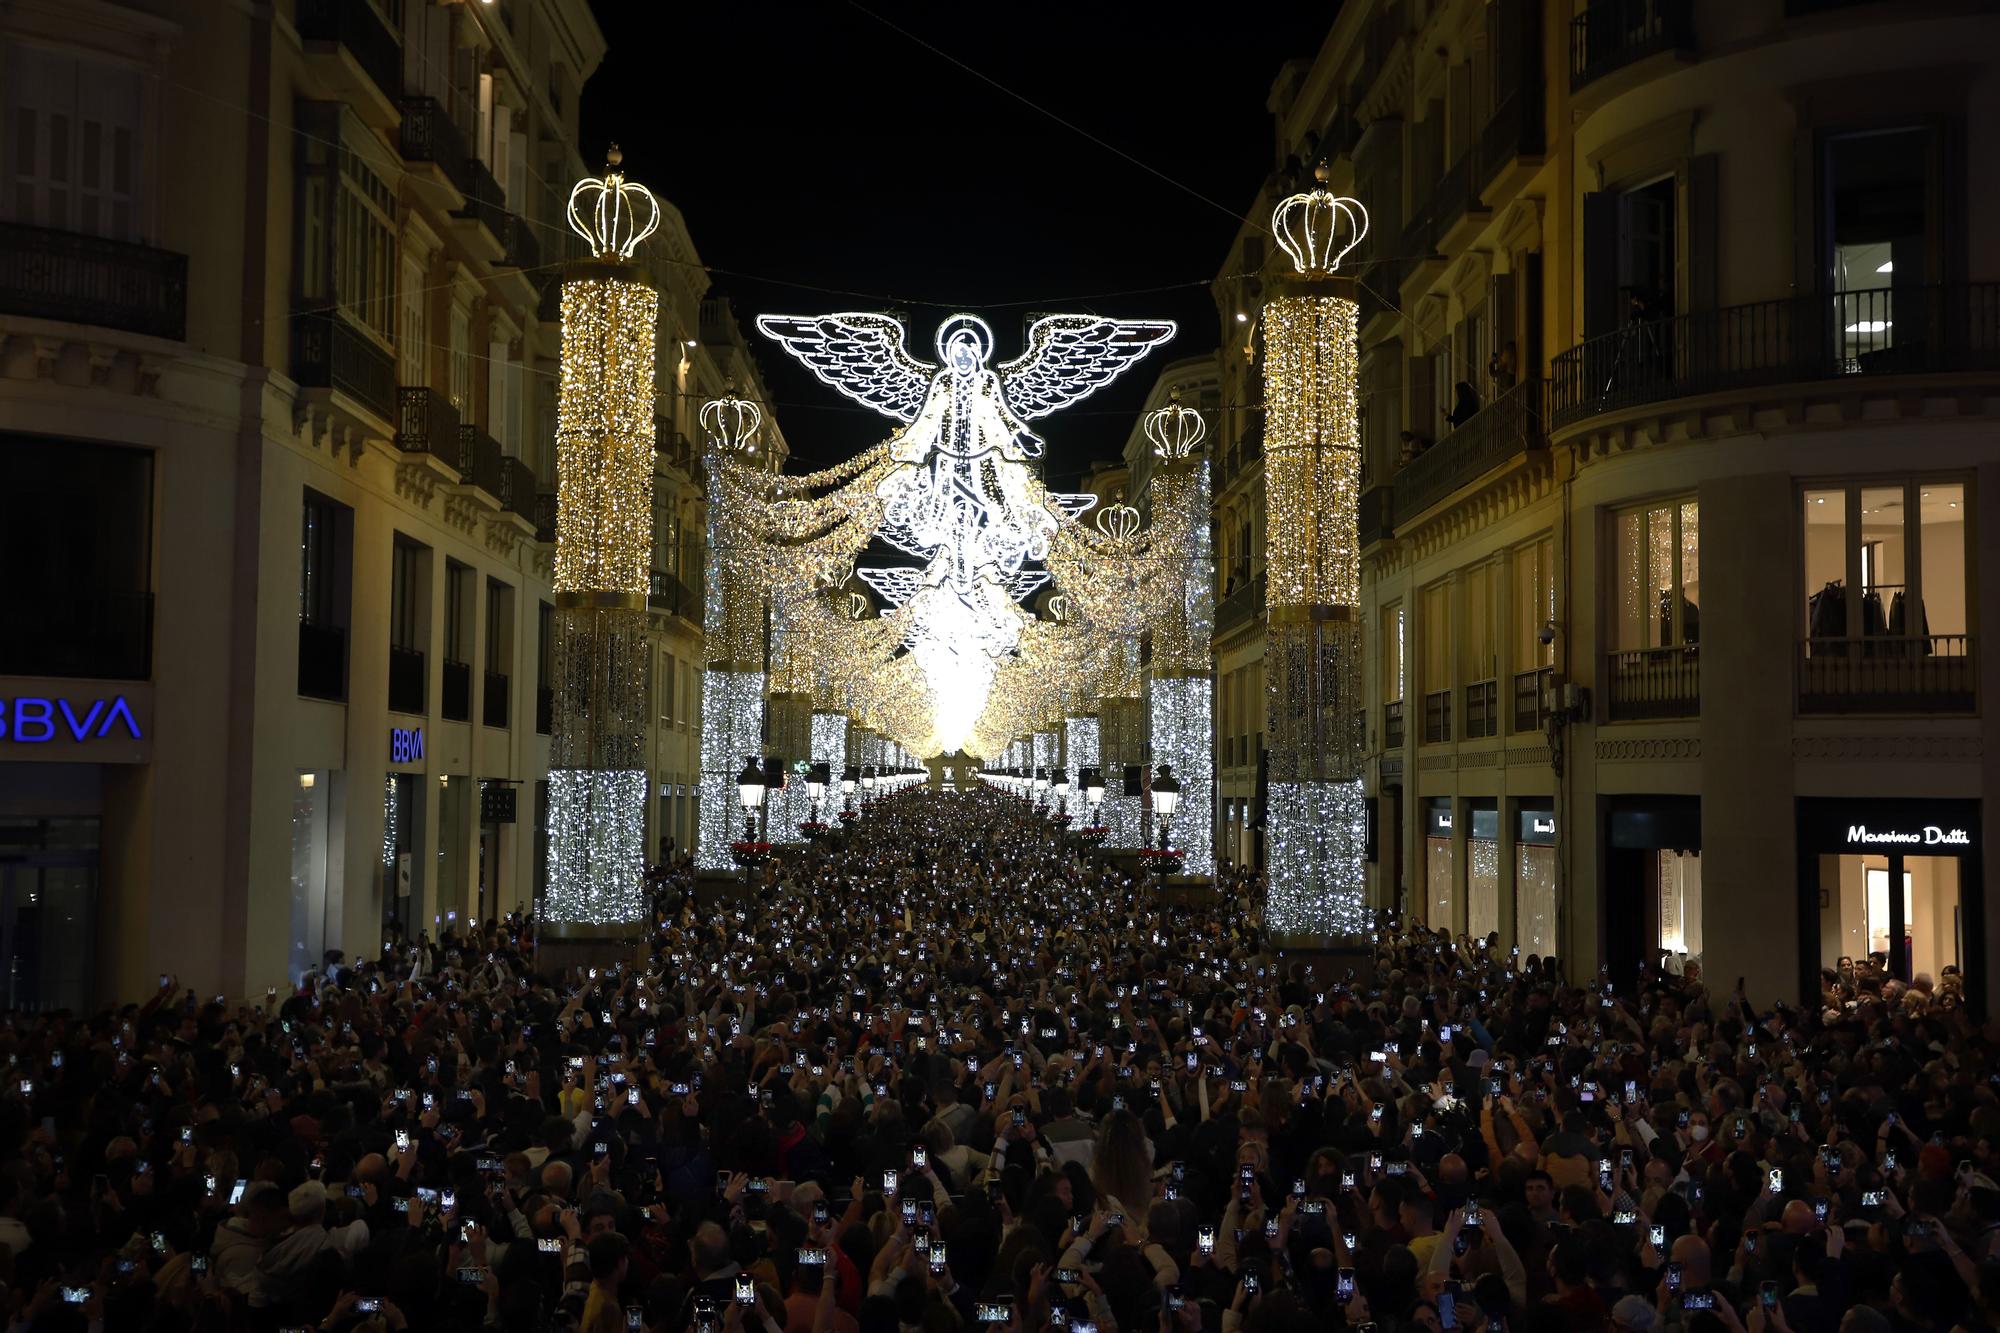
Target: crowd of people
(945, 1070)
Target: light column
(1079, 752)
(1180, 689)
(1121, 742)
(596, 899)
(1313, 643)
(732, 622)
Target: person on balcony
(1465, 405)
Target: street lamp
(1166, 800)
(849, 777)
(1041, 788)
(1093, 791)
(816, 780)
(1061, 789)
(750, 791)
(867, 782)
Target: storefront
(1652, 883)
(1535, 879)
(1891, 888)
(1482, 868)
(1440, 863)
(73, 756)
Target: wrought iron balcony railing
(80, 279)
(1505, 429)
(1902, 330)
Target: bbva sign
(29, 720)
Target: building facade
(1648, 295)
(278, 349)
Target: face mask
(1698, 1133)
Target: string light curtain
(1180, 686)
(604, 513)
(1312, 655)
(732, 678)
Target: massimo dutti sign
(1930, 835)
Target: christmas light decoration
(1180, 668)
(1315, 824)
(604, 462)
(732, 679)
(961, 496)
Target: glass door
(48, 913)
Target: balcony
(1392, 725)
(484, 215)
(1437, 717)
(494, 711)
(328, 352)
(544, 517)
(519, 246)
(1456, 203)
(1482, 709)
(672, 597)
(1931, 673)
(322, 661)
(427, 423)
(517, 489)
(1882, 331)
(1512, 138)
(355, 54)
(430, 140)
(489, 465)
(1531, 692)
(406, 680)
(545, 710)
(1377, 515)
(79, 279)
(1612, 34)
(86, 633)
(1646, 684)
(1242, 604)
(1498, 434)
(456, 704)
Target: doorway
(48, 913)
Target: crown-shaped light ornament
(732, 423)
(612, 213)
(1058, 608)
(1317, 227)
(1175, 431)
(1118, 522)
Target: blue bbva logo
(406, 745)
(31, 721)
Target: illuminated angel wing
(1073, 356)
(860, 355)
(1072, 506)
(895, 585)
(1024, 585)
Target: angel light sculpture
(963, 499)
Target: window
(404, 566)
(1879, 231)
(667, 697)
(1392, 653)
(457, 612)
(1434, 660)
(1658, 554)
(499, 626)
(1534, 604)
(71, 143)
(413, 332)
(1480, 661)
(77, 545)
(461, 360)
(347, 221)
(320, 578)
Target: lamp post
(816, 779)
(1166, 800)
(867, 784)
(850, 777)
(1093, 791)
(750, 792)
(1041, 788)
(1061, 789)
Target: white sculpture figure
(961, 499)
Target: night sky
(826, 160)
